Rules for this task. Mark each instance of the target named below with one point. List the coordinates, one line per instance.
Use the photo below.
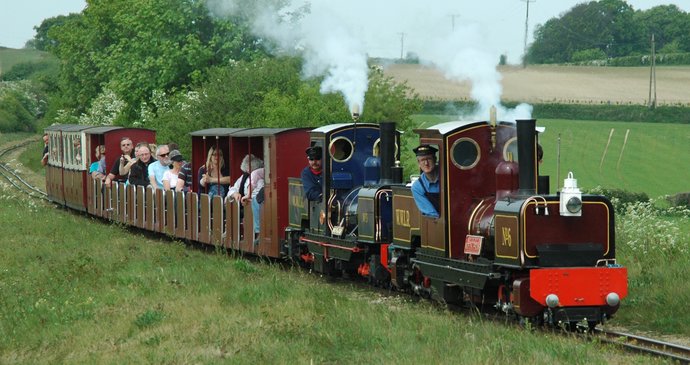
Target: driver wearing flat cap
(311, 175)
(426, 190)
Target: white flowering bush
(104, 110)
(646, 231)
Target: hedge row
(627, 113)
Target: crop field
(560, 84)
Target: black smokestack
(527, 162)
(387, 151)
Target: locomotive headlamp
(571, 198)
(613, 299)
(552, 300)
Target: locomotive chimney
(355, 113)
(387, 152)
(527, 147)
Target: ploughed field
(559, 84)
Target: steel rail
(644, 345)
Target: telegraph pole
(452, 20)
(652, 78)
(402, 44)
(524, 54)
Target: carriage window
(465, 153)
(341, 149)
(377, 148)
(510, 148)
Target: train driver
(426, 190)
(311, 175)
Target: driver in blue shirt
(426, 190)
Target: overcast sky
(380, 25)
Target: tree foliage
(133, 47)
(609, 28)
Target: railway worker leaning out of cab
(97, 168)
(247, 187)
(214, 175)
(311, 175)
(170, 177)
(139, 173)
(121, 167)
(158, 168)
(426, 190)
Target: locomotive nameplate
(506, 236)
(473, 244)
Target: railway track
(644, 345)
(14, 178)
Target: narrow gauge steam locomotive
(500, 240)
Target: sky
(380, 25)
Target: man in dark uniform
(311, 175)
(426, 190)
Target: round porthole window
(510, 148)
(341, 149)
(376, 150)
(465, 153)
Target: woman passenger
(214, 175)
(170, 177)
(97, 168)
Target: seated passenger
(426, 190)
(44, 159)
(184, 177)
(121, 167)
(311, 175)
(158, 168)
(139, 173)
(247, 187)
(170, 177)
(97, 168)
(214, 175)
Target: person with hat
(170, 176)
(426, 190)
(311, 175)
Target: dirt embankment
(562, 84)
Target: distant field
(563, 84)
(10, 57)
(654, 159)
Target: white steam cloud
(334, 36)
(321, 37)
(460, 55)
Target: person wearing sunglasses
(311, 175)
(120, 169)
(158, 168)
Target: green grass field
(653, 160)
(76, 290)
(10, 57)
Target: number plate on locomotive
(473, 244)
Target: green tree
(133, 47)
(42, 41)
(607, 25)
(670, 26)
